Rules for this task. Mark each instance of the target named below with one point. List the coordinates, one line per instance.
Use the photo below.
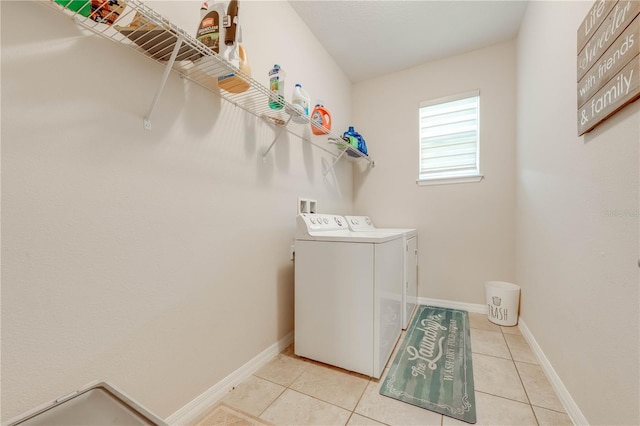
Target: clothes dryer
(410, 261)
(348, 294)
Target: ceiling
(372, 38)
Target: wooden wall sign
(608, 63)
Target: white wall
(159, 260)
(578, 223)
(466, 231)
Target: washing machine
(348, 294)
(410, 253)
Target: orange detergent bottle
(320, 120)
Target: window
(449, 139)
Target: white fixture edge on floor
(469, 307)
(199, 405)
(570, 406)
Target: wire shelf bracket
(165, 75)
(278, 133)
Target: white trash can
(503, 300)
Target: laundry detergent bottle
(356, 141)
(276, 87)
(350, 136)
(300, 101)
(362, 145)
(320, 120)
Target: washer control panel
(322, 222)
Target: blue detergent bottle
(350, 136)
(362, 145)
(356, 141)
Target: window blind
(449, 137)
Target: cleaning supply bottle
(81, 7)
(300, 101)
(276, 87)
(211, 27)
(320, 120)
(231, 27)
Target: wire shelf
(155, 37)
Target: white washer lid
(350, 237)
(364, 223)
(408, 232)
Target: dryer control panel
(360, 223)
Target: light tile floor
(510, 389)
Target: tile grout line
(288, 387)
(520, 378)
(371, 380)
(504, 339)
(504, 397)
(499, 357)
(281, 393)
(517, 372)
(359, 399)
(274, 399)
(353, 411)
(549, 409)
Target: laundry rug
(433, 368)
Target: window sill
(450, 180)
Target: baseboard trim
(192, 410)
(567, 401)
(469, 307)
